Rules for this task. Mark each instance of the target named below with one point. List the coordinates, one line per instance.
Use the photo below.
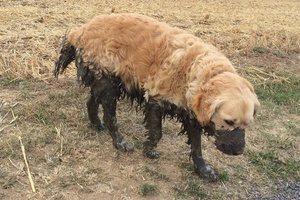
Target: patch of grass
(10, 82)
(42, 115)
(138, 144)
(72, 96)
(156, 174)
(191, 189)
(148, 189)
(223, 175)
(83, 179)
(7, 147)
(281, 94)
(295, 131)
(66, 181)
(277, 142)
(269, 163)
(262, 50)
(188, 166)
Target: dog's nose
(239, 152)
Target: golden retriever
(171, 71)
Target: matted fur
(167, 63)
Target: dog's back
(148, 55)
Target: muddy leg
(106, 93)
(153, 118)
(86, 77)
(92, 108)
(201, 168)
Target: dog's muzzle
(231, 142)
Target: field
(70, 160)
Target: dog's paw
(152, 153)
(207, 172)
(123, 146)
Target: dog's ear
(256, 107)
(256, 102)
(205, 105)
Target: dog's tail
(67, 55)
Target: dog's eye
(229, 122)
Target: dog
(169, 72)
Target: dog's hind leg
(105, 92)
(153, 118)
(92, 108)
(194, 133)
(86, 77)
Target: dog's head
(225, 106)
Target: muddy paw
(207, 172)
(152, 154)
(123, 146)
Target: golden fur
(169, 64)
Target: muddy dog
(170, 72)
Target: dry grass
(31, 31)
(70, 160)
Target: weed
(148, 189)
(223, 175)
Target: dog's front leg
(201, 168)
(153, 118)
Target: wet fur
(166, 70)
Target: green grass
(263, 50)
(138, 144)
(223, 175)
(291, 126)
(283, 94)
(268, 163)
(191, 189)
(276, 142)
(148, 189)
(12, 82)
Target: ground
(70, 160)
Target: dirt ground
(70, 160)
